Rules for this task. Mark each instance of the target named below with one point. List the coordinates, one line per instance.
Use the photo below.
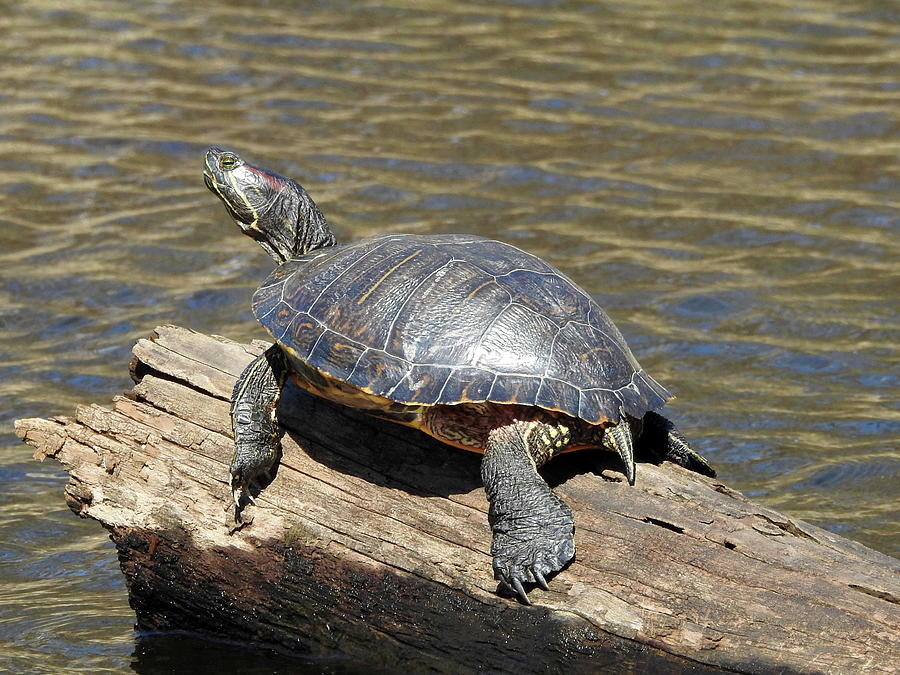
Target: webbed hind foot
(533, 529)
(529, 550)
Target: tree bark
(372, 542)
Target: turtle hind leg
(668, 444)
(533, 529)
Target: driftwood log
(372, 542)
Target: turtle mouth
(214, 186)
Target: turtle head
(275, 211)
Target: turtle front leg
(533, 528)
(257, 434)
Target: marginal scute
(378, 371)
(422, 384)
(467, 385)
(599, 403)
(270, 296)
(558, 395)
(297, 330)
(655, 394)
(452, 319)
(520, 389)
(634, 403)
(334, 353)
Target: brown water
(724, 180)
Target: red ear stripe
(276, 182)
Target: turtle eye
(227, 162)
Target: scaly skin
(667, 443)
(257, 434)
(533, 528)
(619, 438)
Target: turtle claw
(528, 558)
(242, 486)
(241, 489)
(533, 529)
(619, 438)
(517, 587)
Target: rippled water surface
(722, 177)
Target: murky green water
(722, 177)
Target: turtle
(473, 341)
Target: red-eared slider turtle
(473, 341)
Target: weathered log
(372, 542)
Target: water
(722, 179)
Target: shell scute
(375, 286)
(582, 353)
(515, 341)
(655, 395)
(467, 385)
(453, 319)
(494, 258)
(596, 405)
(550, 295)
(422, 384)
(378, 371)
(443, 315)
(334, 353)
(557, 395)
(521, 389)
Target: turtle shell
(451, 319)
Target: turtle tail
(666, 441)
